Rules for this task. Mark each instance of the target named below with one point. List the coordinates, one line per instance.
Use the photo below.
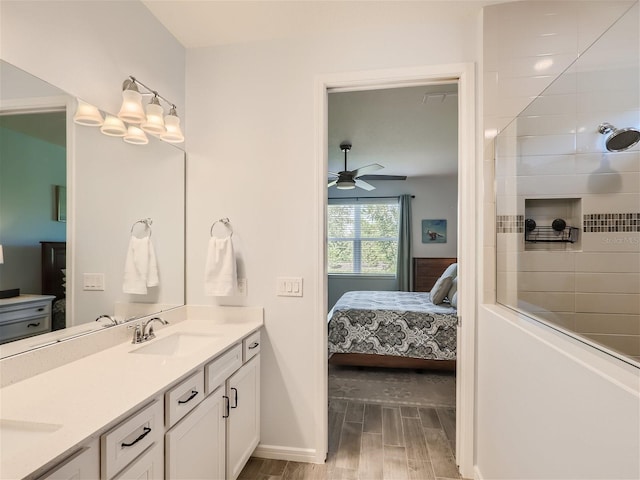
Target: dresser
(24, 316)
(427, 270)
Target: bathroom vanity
(183, 405)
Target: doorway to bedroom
(392, 231)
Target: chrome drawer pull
(193, 394)
(147, 430)
(33, 325)
(253, 345)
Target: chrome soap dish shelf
(558, 231)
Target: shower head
(621, 139)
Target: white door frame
(464, 74)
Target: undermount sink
(178, 344)
(18, 435)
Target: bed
(392, 329)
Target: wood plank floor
(375, 442)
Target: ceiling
(410, 131)
(207, 23)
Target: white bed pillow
(454, 300)
(442, 286)
(453, 289)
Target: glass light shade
(173, 133)
(131, 110)
(345, 185)
(88, 115)
(114, 127)
(135, 136)
(154, 122)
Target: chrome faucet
(147, 328)
(111, 319)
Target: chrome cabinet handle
(253, 345)
(193, 395)
(235, 392)
(33, 324)
(147, 430)
(226, 399)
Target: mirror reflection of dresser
(24, 316)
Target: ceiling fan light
(345, 184)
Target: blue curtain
(404, 244)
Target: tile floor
(372, 441)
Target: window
(363, 236)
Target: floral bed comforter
(405, 324)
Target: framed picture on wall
(434, 231)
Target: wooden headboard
(54, 260)
(426, 272)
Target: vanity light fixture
(1, 255)
(114, 127)
(154, 121)
(87, 114)
(173, 132)
(131, 110)
(135, 136)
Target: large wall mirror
(71, 200)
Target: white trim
(464, 73)
(476, 473)
(275, 452)
(34, 105)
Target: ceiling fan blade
(364, 185)
(334, 174)
(331, 184)
(382, 177)
(366, 169)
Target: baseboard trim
(276, 452)
(476, 473)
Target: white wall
(548, 407)
(253, 127)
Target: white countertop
(70, 404)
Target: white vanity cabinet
(243, 424)
(195, 447)
(85, 463)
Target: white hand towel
(140, 269)
(220, 275)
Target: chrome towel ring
(225, 221)
(147, 223)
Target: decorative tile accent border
(611, 222)
(510, 223)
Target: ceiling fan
(348, 179)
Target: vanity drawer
(217, 371)
(181, 399)
(125, 442)
(251, 346)
(24, 327)
(21, 311)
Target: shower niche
(552, 223)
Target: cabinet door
(243, 427)
(82, 464)
(149, 466)
(195, 445)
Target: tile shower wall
(553, 151)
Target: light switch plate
(93, 281)
(289, 286)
